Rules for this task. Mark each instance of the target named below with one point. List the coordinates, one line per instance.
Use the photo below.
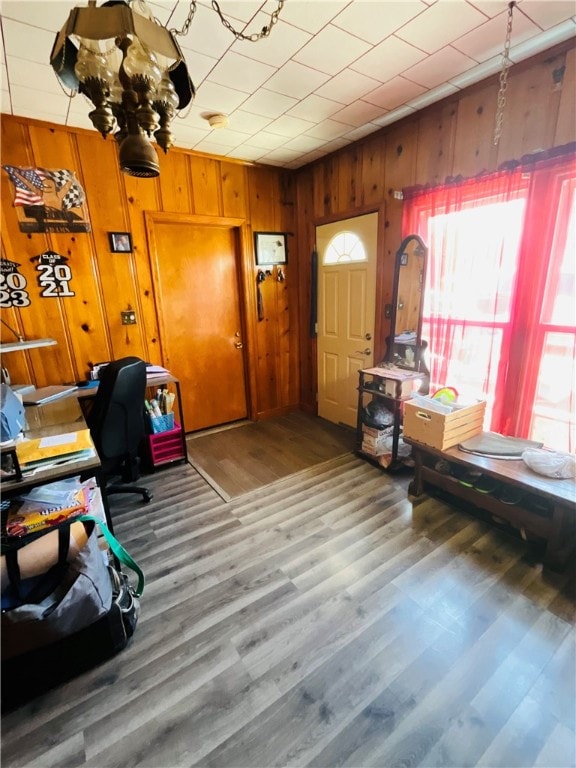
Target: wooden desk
(54, 418)
(547, 507)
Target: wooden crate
(442, 430)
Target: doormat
(236, 461)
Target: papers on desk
(155, 370)
(46, 394)
(55, 449)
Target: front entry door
(197, 290)
(346, 308)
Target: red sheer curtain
(497, 260)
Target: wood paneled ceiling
(331, 72)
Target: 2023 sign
(13, 291)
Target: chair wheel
(147, 496)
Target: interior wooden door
(197, 290)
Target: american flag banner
(48, 200)
(28, 184)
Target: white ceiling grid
(331, 72)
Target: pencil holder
(162, 423)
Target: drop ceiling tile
(439, 67)
(31, 74)
(226, 138)
(332, 146)
(331, 50)
(186, 136)
(240, 73)
(347, 86)
(361, 132)
(162, 11)
(296, 80)
(82, 121)
(199, 65)
(268, 104)
(206, 34)
(396, 91)
(558, 34)
(358, 113)
(388, 59)
(27, 42)
(52, 15)
(394, 116)
(281, 155)
(304, 143)
(440, 24)
(266, 140)
(477, 73)
(433, 95)
(282, 43)
(490, 8)
(290, 126)
(328, 130)
(55, 104)
(487, 40)
(244, 10)
(247, 153)
(315, 108)
(311, 15)
(546, 13)
(218, 98)
(209, 146)
(5, 102)
(247, 122)
(374, 21)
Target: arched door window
(344, 247)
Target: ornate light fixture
(133, 71)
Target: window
(500, 314)
(344, 247)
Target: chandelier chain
(501, 101)
(255, 36)
(188, 21)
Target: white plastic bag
(550, 463)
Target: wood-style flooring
(242, 458)
(321, 621)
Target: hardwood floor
(323, 622)
(240, 459)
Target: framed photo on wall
(270, 248)
(120, 242)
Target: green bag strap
(117, 548)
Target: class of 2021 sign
(54, 278)
(54, 275)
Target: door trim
(247, 298)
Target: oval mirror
(405, 347)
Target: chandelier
(132, 70)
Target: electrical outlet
(128, 318)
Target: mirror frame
(420, 249)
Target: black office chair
(116, 423)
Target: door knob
(366, 351)
(238, 344)
(368, 337)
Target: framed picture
(270, 248)
(120, 242)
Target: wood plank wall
(453, 137)
(449, 138)
(88, 326)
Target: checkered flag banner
(74, 197)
